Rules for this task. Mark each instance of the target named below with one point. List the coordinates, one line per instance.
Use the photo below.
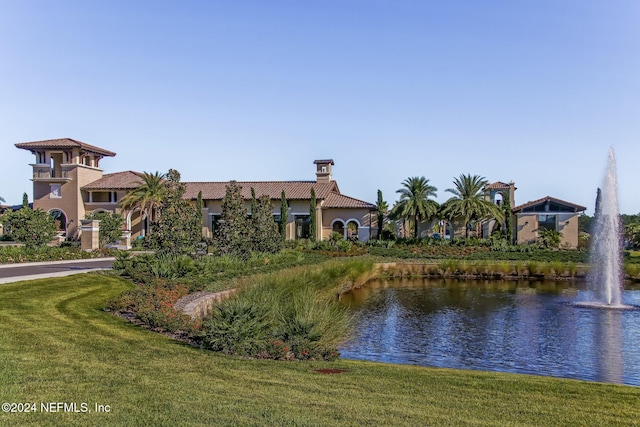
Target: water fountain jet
(605, 277)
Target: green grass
(58, 345)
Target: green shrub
(288, 315)
(632, 270)
(172, 266)
(32, 227)
(110, 229)
(237, 326)
(16, 254)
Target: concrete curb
(201, 307)
(66, 261)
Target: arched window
(352, 230)
(60, 220)
(338, 227)
(137, 223)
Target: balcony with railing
(51, 175)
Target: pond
(518, 327)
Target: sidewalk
(41, 270)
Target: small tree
(508, 219)
(382, 209)
(199, 207)
(178, 227)
(254, 202)
(110, 226)
(284, 215)
(34, 228)
(25, 200)
(265, 235)
(312, 216)
(232, 235)
(632, 235)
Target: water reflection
(524, 327)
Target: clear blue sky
(529, 91)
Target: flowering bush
(153, 304)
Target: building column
(126, 239)
(90, 237)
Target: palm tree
(469, 202)
(148, 195)
(414, 202)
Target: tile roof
(116, 181)
(335, 200)
(573, 206)
(323, 161)
(294, 190)
(64, 143)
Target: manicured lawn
(57, 345)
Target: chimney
(323, 170)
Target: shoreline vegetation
(285, 307)
(69, 349)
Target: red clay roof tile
(126, 180)
(64, 143)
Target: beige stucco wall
(568, 228)
(566, 224)
(70, 201)
(526, 228)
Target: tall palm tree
(414, 202)
(148, 195)
(468, 201)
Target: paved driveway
(37, 270)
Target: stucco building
(528, 219)
(69, 183)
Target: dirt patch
(330, 371)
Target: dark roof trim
(573, 206)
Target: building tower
(61, 168)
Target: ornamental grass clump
(291, 315)
(449, 266)
(520, 268)
(533, 267)
(505, 268)
(546, 268)
(572, 268)
(558, 268)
